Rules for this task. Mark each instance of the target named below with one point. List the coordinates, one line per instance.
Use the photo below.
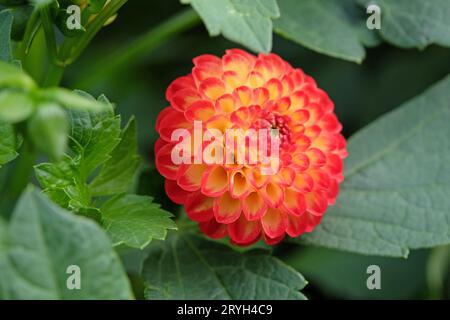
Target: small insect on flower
(250, 147)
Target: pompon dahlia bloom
(242, 91)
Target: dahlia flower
(240, 200)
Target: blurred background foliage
(387, 77)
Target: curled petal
(239, 186)
(296, 225)
(214, 181)
(180, 83)
(226, 103)
(274, 223)
(227, 209)
(244, 232)
(294, 202)
(164, 163)
(189, 176)
(199, 208)
(316, 203)
(254, 206)
(273, 194)
(212, 88)
(200, 110)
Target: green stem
(49, 33)
(141, 46)
(23, 169)
(54, 75)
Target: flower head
(242, 199)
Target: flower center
(270, 120)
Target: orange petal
(244, 232)
(274, 223)
(321, 179)
(226, 103)
(200, 110)
(264, 68)
(275, 88)
(288, 85)
(300, 161)
(189, 176)
(260, 96)
(232, 79)
(212, 88)
(255, 79)
(226, 209)
(315, 113)
(296, 225)
(199, 208)
(243, 95)
(316, 158)
(303, 182)
(254, 206)
(214, 181)
(256, 179)
(273, 194)
(237, 63)
(299, 100)
(316, 203)
(183, 98)
(300, 116)
(313, 132)
(282, 105)
(294, 202)
(239, 186)
(285, 176)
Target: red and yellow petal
(254, 206)
(199, 207)
(244, 232)
(227, 209)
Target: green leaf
(189, 267)
(324, 26)
(118, 173)
(48, 128)
(93, 137)
(12, 76)
(73, 100)
(15, 106)
(42, 241)
(344, 275)
(247, 22)
(6, 21)
(8, 144)
(135, 220)
(397, 182)
(414, 23)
